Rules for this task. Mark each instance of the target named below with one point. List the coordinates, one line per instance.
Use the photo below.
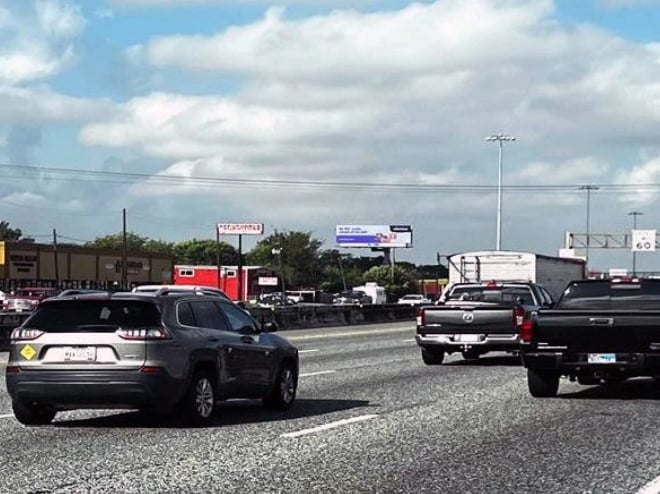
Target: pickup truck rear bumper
(459, 342)
(629, 363)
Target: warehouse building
(25, 264)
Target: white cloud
(34, 50)
(647, 172)
(165, 3)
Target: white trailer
(553, 273)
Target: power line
(99, 176)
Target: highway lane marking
(331, 425)
(348, 333)
(319, 373)
(309, 351)
(652, 487)
(408, 340)
(8, 416)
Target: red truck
(27, 299)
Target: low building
(32, 264)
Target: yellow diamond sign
(28, 352)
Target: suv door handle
(247, 339)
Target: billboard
(240, 228)
(373, 235)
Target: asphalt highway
(370, 417)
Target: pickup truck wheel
(31, 414)
(542, 384)
(471, 354)
(432, 357)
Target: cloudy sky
(307, 114)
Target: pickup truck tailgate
(599, 331)
(468, 319)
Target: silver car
(143, 351)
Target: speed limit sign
(643, 241)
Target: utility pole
(500, 139)
(341, 270)
(56, 260)
(634, 215)
(124, 255)
(588, 188)
(240, 267)
(217, 254)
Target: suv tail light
(26, 334)
(420, 317)
(518, 317)
(527, 330)
(156, 333)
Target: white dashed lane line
(309, 351)
(328, 426)
(7, 416)
(319, 373)
(652, 487)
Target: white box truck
(377, 293)
(553, 273)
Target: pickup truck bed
(601, 332)
(483, 317)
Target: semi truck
(553, 273)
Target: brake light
(420, 317)
(151, 369)
(25, 334)
(13, 370)
(518, 316)
(144, 333)
(491, 284)
(527, 330)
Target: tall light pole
(634, 215)
(588, 188)
(500, 139)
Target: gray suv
(148, 352)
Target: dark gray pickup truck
(600, 331)
(476, 318)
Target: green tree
(405, 279)
(7, 233)
(115, 241)
(298, 255)
(204, 252)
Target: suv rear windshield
(499, 295)
(644, 294)
(93, 315)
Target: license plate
(80, 353)
(601, 358)
(468, 338)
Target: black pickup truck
(476, 318)
(600, 331)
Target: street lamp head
(635, 213)
(500, 138)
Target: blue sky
(357, 91)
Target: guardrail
(294, 317)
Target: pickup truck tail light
(527, 330)
(420, 317)
(518, 317)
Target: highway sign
(643, 241)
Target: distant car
(414, 299)
(276, 299)
(173, 351)
(352, 298)
(27, 299)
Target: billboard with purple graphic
(373, 236)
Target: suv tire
(31, 414)
(542, 383)
(283, 393)
(432, 357)
(198, 405)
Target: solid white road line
(652, 487)
(8, 416)
(368, 332)
(331, 425)
(319, 373)
(408, 340)
(309, 351)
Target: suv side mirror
(241, 304)
(269, 327)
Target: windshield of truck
(612, 295)
(498, 295)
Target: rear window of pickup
(499, 295)
(611, 295)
